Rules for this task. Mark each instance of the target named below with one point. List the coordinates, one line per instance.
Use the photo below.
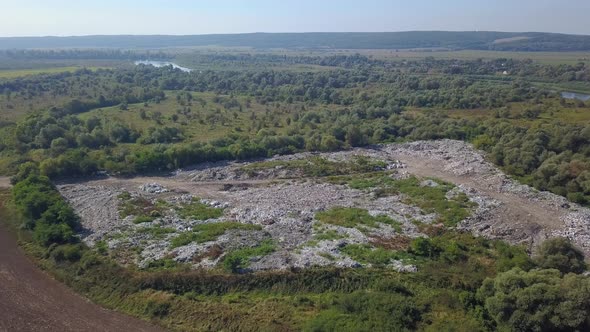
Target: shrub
(425, 247)
(68, 252)
(364, 311)
(238, 260)
(157, 308)
(512, 256)
(47, 234)
(559, 253)
(538, 300)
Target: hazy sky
(84, 17)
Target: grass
(165, 264)
(239, 260)
(364, 253)
(134, 206)
(430, 199)
(209, 232)
(199, 211)
(355, 218)
(552, 111)
(288, 164)
(365, 182)
(143, 209)
(551, 58)
(323, 235)
(10, 74)
(157, 231)
(433, 200)
(320, 167)
(329, 235)
(205, 118)
(327, 256)
(143, 219)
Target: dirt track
(532, 219)
(4, 182)
(533, 212)
(31, 301)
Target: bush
(47, 234)
(425, 247)
(512, 256)
(559, 253)
(68, 252)
(364, 311)
(538, 300)
(45, 211)
(157, 308)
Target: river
(574, 95)
(162, 64)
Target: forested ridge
(472, 40)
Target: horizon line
(271, 33)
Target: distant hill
(481, 40)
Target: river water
(162, 64)
(574, 95)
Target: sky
(182, 17)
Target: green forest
(454, 40)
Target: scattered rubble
(284, 203)
(153, 188)
(429, 183)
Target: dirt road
(521, 209)
(31, 301)
(4, 182)
(517, 218)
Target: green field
(10, 74)
(550, 58)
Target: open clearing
(4, 182)
(276, 202)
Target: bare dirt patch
(5, 182)
(519, 214)
(31, 301)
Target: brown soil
(4, 182)
(529, 220)
(31, 301)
